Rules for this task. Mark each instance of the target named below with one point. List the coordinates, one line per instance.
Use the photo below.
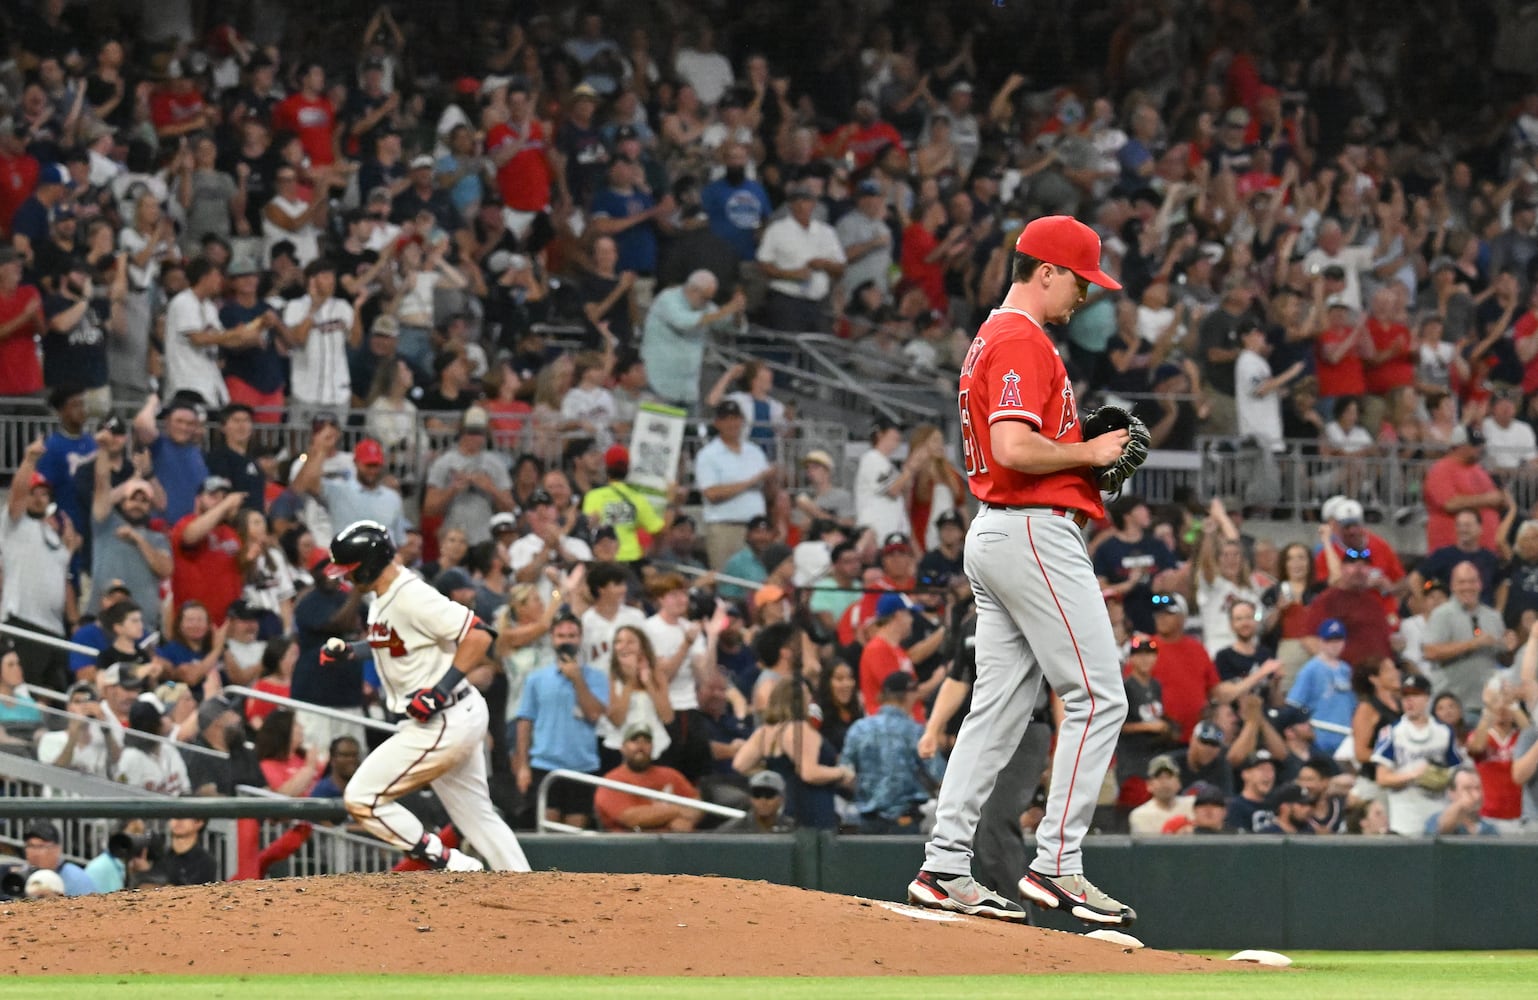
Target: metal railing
(1298, 479)
(561, 774)
(334, 714)
(328, 850)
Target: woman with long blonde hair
(937, 488)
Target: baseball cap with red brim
(1066, 242)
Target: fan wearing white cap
(1345, 534)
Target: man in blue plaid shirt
(883, 751)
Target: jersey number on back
(971, 449)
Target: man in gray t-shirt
(1524, 762)
(867, 240)
(469, 484)
(126, 548)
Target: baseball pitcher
(1030, 461)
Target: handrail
(172, 807)
(305, 706)
(562, 773)
(109, 730)
(43, 639)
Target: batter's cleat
(962, 894)
(1078, 896)
(457, 861)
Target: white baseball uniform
(413, 631)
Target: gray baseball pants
(1039, 616)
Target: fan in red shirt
(18, 176)
(897, 573)
(21, 319)
(310, 115)
(178, 108)
(621, 811)
(1492, 744)
(1338, 353)
(204, 551)
(1185, 672)
(864, 138)
(1390, 361)
(925, 255)
(1524, 340)
(518, 148)
(1455, 482)
(1348, 534)
(884, 655)
(1368, 629)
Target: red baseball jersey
(1013, 372)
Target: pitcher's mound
(544, 923)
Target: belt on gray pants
(1078, 517)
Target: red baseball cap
(617, 454)
(1066, 242)
(368, 452)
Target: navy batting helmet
(361, 551)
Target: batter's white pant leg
(1003, 699)
(1057, 602)
(411, 758)
(467, 799)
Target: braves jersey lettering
(1013, 372)
(414, 631)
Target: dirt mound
(544, 923)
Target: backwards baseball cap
(1208, 733)
(1286, 715)
(889, 605)
(453, 579)
(1414, 684)
(1208, 794)
(211, 709)
(766, 781)
(1256, 759)
(1066, 242)
(1295, 793)
(1332, 628)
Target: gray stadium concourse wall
(1190, 893)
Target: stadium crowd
(282, 270)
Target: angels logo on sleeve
(1009, 397)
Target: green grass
(1357, 975)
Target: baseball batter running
(1038, 474)
(423, 645)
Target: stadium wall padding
(1280, 893)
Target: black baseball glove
(1113, 418)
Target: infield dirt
(539, 924)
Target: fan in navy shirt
(1133, 553)
(627, 213)
(75, 344)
